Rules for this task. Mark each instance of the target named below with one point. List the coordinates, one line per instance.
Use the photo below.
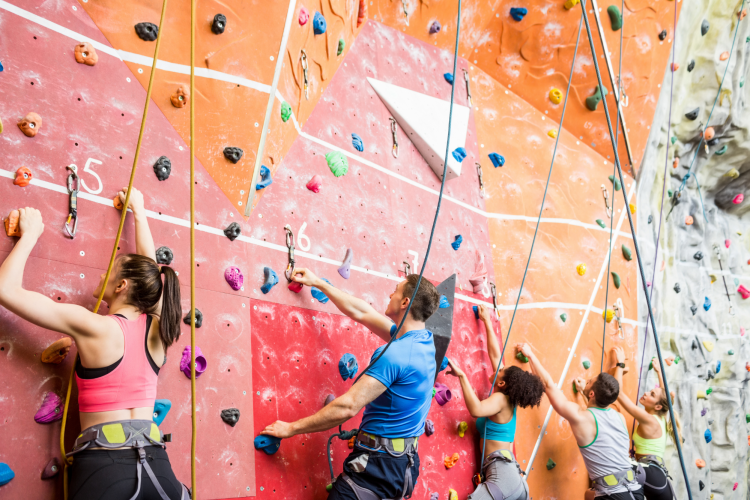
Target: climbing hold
(476, 312)
(200, 361)
(663, 35)
(700, 484)
(234, 277)
(434, 495)
(265, 178)
(450, 461)
(295, 287)
(314, 184)
(286, 111)
(713, 142)
(586, 364)
(497, 160)
(736, 484)
(709, 133)
(675, 163)
(442, 394)
(303, 16)
(348, 366)
(564, 317)
(581, 269)
(522, 357)
(50, 410)
(319, 23)
(550, 464)
(444, 363)
(626, 252)
(688, 220)
(219, 24)
(11, 223)
(706, 304)
(592, 102)
(616, 279)
(675, 67)
(270, 280)
(608, 315)
(341, 47)
(704, 27)
(462, 428)
(357, 143)
(739, 198)
(698, 255)
(57, 351)
(117, 203)
(448, 77)
(362, 13)
(674, 139)
(181, 97)
(615, 181)
(555, 95)
(267, 444)
(730, 352)
(232, 231)
(452, 494)
(164, 256)
(444, 304)
(457, 242)
(727, 243)
(742, 14)
(6, 473)
(346, 266)
(708, 393)
(721, 151)
(677, 288)
(230, 416)
(319, 295)
(724, 56)
(233, 154)
(161, 408)
(85, 53)
(718, 366)
(691, 65)
(742, 331)
(693, 115)
(669, 360)
(30, 124)
(147, 31)
(743, 291)
(704, 411)
(601, 223)
(162, 168)
(50, 470)
(694, 345)
(707, 435)
(329, 399)
(700, 463)
(338, 163)
(429, 427)
(459, 154)
(615, 17)
(198, 318)
(701, 395)
(435, 27)
(518, 13)
(632, 208)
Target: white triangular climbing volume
(425, 120)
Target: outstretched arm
(335, 413)
(493, 346)
(490, 406)
(357, 309)
(144, 242)
(640, 414)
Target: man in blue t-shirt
(396, 393)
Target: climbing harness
(481, 180)
(303, 60)
(74, 185)
(468, 88)
(134, 434)
(607, 484)
(407, 268)
(605, 194)
(653, 461)
(493, 489)
(724, 279)
(395, 140)
(289, 272)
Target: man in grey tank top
(601, 433)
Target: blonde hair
(664, 412)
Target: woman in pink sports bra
(120, 453)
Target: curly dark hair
(521, 387)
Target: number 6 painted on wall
(301, 236)
(88, 169)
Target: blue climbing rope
(637, 253)
(536, 230)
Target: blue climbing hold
(706, 304)
(6, 473)
(476, 311)
(707, 435)
(444, 304)
(457, 243)
(459, 154)
(1, 66)
(357, 143)
(161, 408)
(518, 13)
(318, 295)
(265, 178)
(444, 364)
(348, 366)
(448, 78)
(718, 366)
(267, 444)
(270, 280)
(497, 160)
(319, 23)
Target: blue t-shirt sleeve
(387, 369)
(393, 329)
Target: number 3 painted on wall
(301, 236)
(88, 169)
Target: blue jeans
(384, 475)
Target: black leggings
(656, 487)
(112, 475)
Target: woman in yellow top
(650, 437)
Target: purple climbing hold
(703, 412)
(348, 366)
(459, 154)
(429, 427)
(457, 242)
(234, 277)
(51, 409)
(442, 394)
(329, 399)
(270, 280)
(200, 362)
(434, 495)
(435, 27)
(346, 266)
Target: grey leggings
(502, 480)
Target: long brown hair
(664, 413)
(146, 288)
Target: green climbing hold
(614, 181)
(601, 223)
(592, 102)
(434, 391)
(626, 252)
(615, 17)
(616, 279)
(329, 487)
(674, 139)
(731, 352)
(550, 464)
(342, 45)
(522, 358)
(575, 391)
(709, 391)
(286, 111)
(587, 364)
(669, 193)
(564, 317)
(651, 365)
(747, 418)
(747, 40)
(337, 163)
(721, 151)
(677, 360)
(742, 83)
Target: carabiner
(73, 188)
(303, 59)
(395, 140)
(618, 318)
(468, 89)
(481, 181)
(605, 193)
(289, 272)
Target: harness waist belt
(395, 446)
(606, 484)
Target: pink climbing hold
(295, 287)
(51, 409)
(735, 486)
(200, 362)
(727, 243)
(314, 184)
(304, 16)
(479, 278)
(346, 266)
(742, 331)
(234, 277)
(743, 291)
(738, 199)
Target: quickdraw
(395, 140)
(605, 194)
(73, 188)
(407, 268)
(493, 289)
(289, 272)
(724, 279)
(481, 181)
(468, 89)
(618, 318)
(303, 60)
(406, 12)
(623, 95)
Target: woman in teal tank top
(496, 419)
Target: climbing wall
(382, 209)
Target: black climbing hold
(162, 168)
(219, 24)
(663, 35)
(230, 416)
(147, 31)
(704, 27)
(694, 309)
(650, 219)
(698, 255)
(713, 142)
(701, 485)
(692, 115)
(164, 256)
(691, 65)
(677, 288)
(694, 345)
(198, 318)
(232, 231)
(550, 464)
(233, 154)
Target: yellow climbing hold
(581, 268)
(608, 315)
(708, 345)
(462, 427)
(555, 95)
(701, 394)
(732, 174)
(713, 278)
(452, 495)
(552, 133)
(632, 208)
(569, 4)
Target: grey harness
(492, 488)
(653, 461)
(605, 485)
(135, 434)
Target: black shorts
(112, 475)
(384, 475)
(638, 495)
(656, 487)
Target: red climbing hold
(314, 184)
(181, 97)
(304, 16)
(295, 287)
(362, 14)
(743, 291)
(11, 224)
(30, 124)
(23, 177)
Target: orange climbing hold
(724, 56)
(675, 66)
(669, 360)
(30, 124)
(742, 14)
(676, 163)
(709, 133)
(57, 351)
(362, 15)
(23, 177)
(700, 463)
(181, 97)
(688, 220)
(451, 461)
(117, 203)
(11, 224)
(86, 54)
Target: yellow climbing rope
(66, 460)
(192, 249)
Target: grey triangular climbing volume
(441, 321)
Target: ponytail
(169, 322)
(664, 413)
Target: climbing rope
(344, 436)
(536, 230)
(637, 252)
(194, 428)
